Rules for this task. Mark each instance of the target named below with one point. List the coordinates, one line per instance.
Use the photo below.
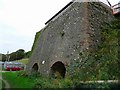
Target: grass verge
(17, 81)
(21, 80)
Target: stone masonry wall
(72, 32)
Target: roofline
(59, 12)
(62, 10)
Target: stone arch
(58, 70)
(35, 68)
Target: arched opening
(58, 70)
(35, 68)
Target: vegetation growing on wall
(35, 40)
(28, 54)
(103, 64)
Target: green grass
(0, 84)
(20, 80)
(17, 81)
(24, 61)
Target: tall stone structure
(76, 28)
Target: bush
(46, 82)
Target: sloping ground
(24, 61)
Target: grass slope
(17, 81)
(24, 61)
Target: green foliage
(35, 41)
(104, 64)
(13, 56)
(97, 86)
(108, 51)
(3, 57)
(23, 80)
(27, 54)
(19, 54)
(46, 82)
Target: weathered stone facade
(75, 29)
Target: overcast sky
(21, 19)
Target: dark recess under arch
(58, 70)
(35, 68)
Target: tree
(27, 54)
(20, 54)
(3, 57)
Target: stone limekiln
(76, 28)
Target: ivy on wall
(103, 64)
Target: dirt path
(7, 86)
